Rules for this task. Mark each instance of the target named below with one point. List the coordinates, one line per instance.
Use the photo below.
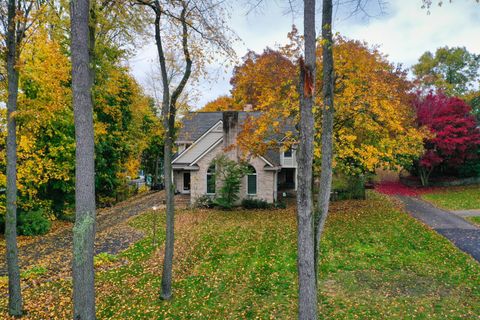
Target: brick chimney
(230, 132)
(248, 107)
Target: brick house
(205, 135)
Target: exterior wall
(266, 184)
(289, 162)
(198, 184)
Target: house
(205, 135)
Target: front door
(290, 178)
(186, 182)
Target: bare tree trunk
(327, 127)
(166, 286)
(307, 297)
(84, 229)
(14, 289)
(168, 119)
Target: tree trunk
(84, 229)
(327, 128)
(307, 297)
(166, 286)
(14, 289)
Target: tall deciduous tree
(14, 290)
(14, 31)
(307, 295)
(195, 25)
(327, 127)
(84, 229)
(455, 71)
(455, 136)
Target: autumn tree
(454, 71)
(454, 137)
(374, 124)
(198, 28)
(222, 103)
(258, 89)
(15, 22)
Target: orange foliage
(221, 103)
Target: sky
(403, 31)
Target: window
(211, 179)
(288, 153)
(252, 181)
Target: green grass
(475, 220)
(377, 263)
(456, 198)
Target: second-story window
(288, 153)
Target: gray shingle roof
(195, 124)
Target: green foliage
(250, 203)
(230, 174)
(104, 258)
(475, 220)
(34, 272)
(348, 187)
(452, 70)
(33, 223)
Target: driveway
(461, 233)
(54, 250)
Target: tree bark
(84, 229)
(307, 297)
(327, 127)
(14, 289)
(166, 286)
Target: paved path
(112, 236)
(461, 233)
(467, 213)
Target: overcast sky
(404, 31)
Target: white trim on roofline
(196, 141)
(268, 162)
(207, 151)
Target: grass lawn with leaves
(455, 198)
(377, 263)
(475, 220)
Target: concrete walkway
(461, 233)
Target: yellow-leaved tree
(374, 120)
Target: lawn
(456, 198)
(475, 220)
(378, 263)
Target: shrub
(32, 223)
(281, 204)
(230, 174)
(348, 187)
(204, 201)
(249, 203)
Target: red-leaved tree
(455, 135)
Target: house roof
(196, 124)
